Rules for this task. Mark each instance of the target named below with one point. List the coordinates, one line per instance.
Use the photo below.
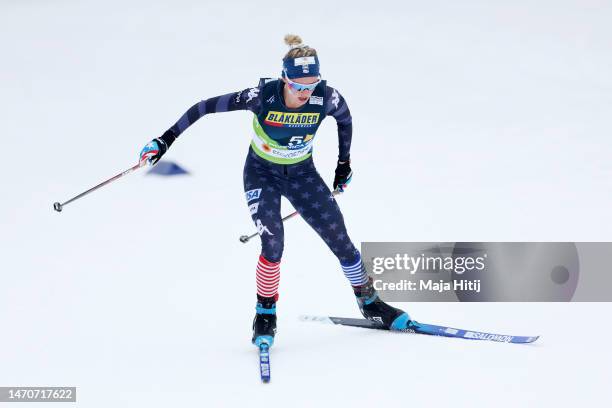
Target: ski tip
(520, 339)
(264, 362)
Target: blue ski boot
(374, 309)
(264, 324)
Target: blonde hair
(297, 48)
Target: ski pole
(58, 207)
(245, 238)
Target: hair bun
(293, 41)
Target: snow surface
(474, 121)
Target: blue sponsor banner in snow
(490, 271)
(167, 168)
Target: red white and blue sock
(268, 278)
(355, 272)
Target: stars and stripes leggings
(264, 184)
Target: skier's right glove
(155, 149)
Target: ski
(424, 328)
(264, 362)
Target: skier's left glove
(343, 175)
(156, 148)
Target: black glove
(155, 149)
(343, 175)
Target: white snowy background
(473, 121)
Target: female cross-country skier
(287, 113)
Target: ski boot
(374, 309)
(264, 324)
